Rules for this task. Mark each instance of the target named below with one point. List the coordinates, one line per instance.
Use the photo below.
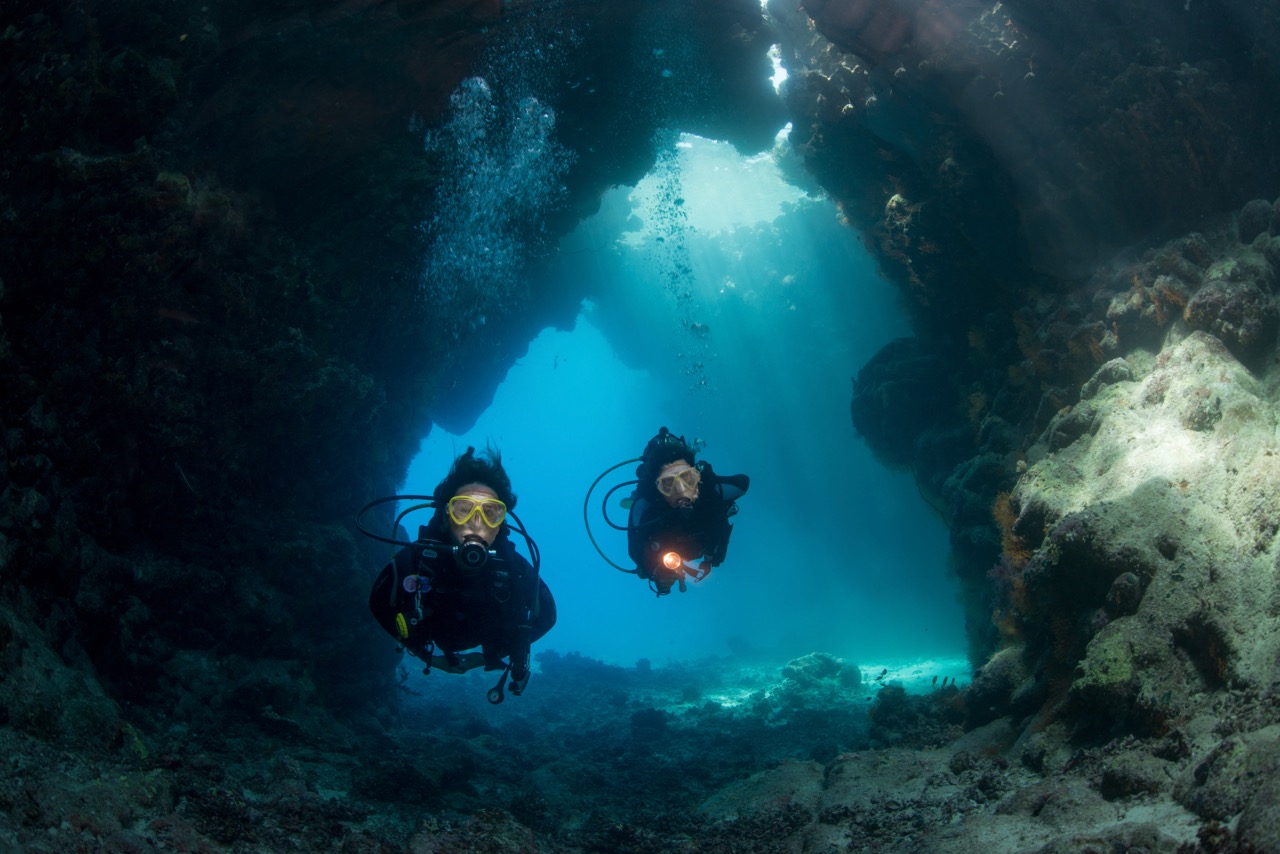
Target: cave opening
(730, 302)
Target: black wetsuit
(699, 531)
(503, 607)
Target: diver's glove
(519, 679)
(521, 664)
(663, 578)
(519, 673)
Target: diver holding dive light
(462, 584)
(680, 513)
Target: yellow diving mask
(462, 507)
(686, 477)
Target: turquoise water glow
(731, 307)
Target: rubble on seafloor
(814, 754)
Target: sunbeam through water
(732, 306)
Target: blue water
(728, 306)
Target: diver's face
(475, 526)
(678, 483)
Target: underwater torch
(675, 563)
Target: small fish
(935, 680)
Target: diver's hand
(519, 679)
(663, 579)
(466, 662)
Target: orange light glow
(671, 560)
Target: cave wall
(215, 336)
(196, 369)
(1062, 198)
(217, 343)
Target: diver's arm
(545, 617)
(726, 490)
(648, 555)
(639, 530)
(527, 615)
(734, 486)
(521, 659)
(730, 487)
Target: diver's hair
(485, 467)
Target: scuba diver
(462, 585)
(680, 511)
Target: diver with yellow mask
(462, 584)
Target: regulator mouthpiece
(473, 554)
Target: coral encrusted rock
(1154, 572)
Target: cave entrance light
(730, 304)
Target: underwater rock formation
(216, 342)
(735, 767)
(216, 339)
(1022, 294)
(1111, 376)
(1140, 549)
